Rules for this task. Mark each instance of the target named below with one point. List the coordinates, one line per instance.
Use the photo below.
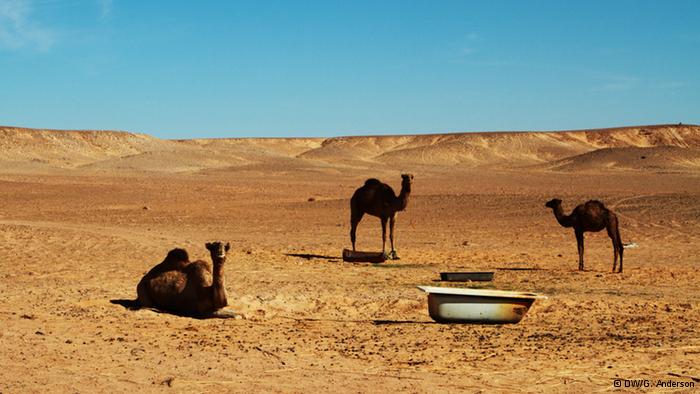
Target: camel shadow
(132, 305)
(310, 256)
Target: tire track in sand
(641, 223)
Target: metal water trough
(477, 306)
(363, 257)
(466, 276)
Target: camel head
(218, 249)
(553, 203)
(406, 179)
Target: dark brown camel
(186, 288)
(378, 199)
(592, 216)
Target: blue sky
(179, 69)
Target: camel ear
(227, 247)
(208, 245)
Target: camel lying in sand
(183, 287)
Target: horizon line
(399, 134)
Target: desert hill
(647, 158)
(662, 146)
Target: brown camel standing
(592, 216)
(186, 288)
(378, 199)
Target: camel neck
(218, 288)
(564, 220)
(218, 269)
(402, 199)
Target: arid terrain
(85, 214)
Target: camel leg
(392, 220)
(614, 234)
(384, 220)
(611, 234)
(143, 298)
(354, 221)
(621, 250)
(579, 243)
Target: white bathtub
(453, 305)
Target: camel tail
(128, 304)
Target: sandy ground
(73, 240)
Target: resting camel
(185, 288)
(592, 216)
(378, 199)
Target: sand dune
(72, 148)
(648, 158)
(109, 150)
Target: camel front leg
(392, 221)
(354, 221)
(579, 244)
(219, 298)
(384, 220)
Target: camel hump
(596, 203)
(372, 182)
(177, 255)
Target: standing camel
(378, 199)
(592, 216)
(186, 288)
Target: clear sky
(178, 69)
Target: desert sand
(85, 214)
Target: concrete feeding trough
(363, 257)
(477, 306)
(466, 276)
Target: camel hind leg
(143, 297)
(621, 250)
(614, 234)
(384, 220)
